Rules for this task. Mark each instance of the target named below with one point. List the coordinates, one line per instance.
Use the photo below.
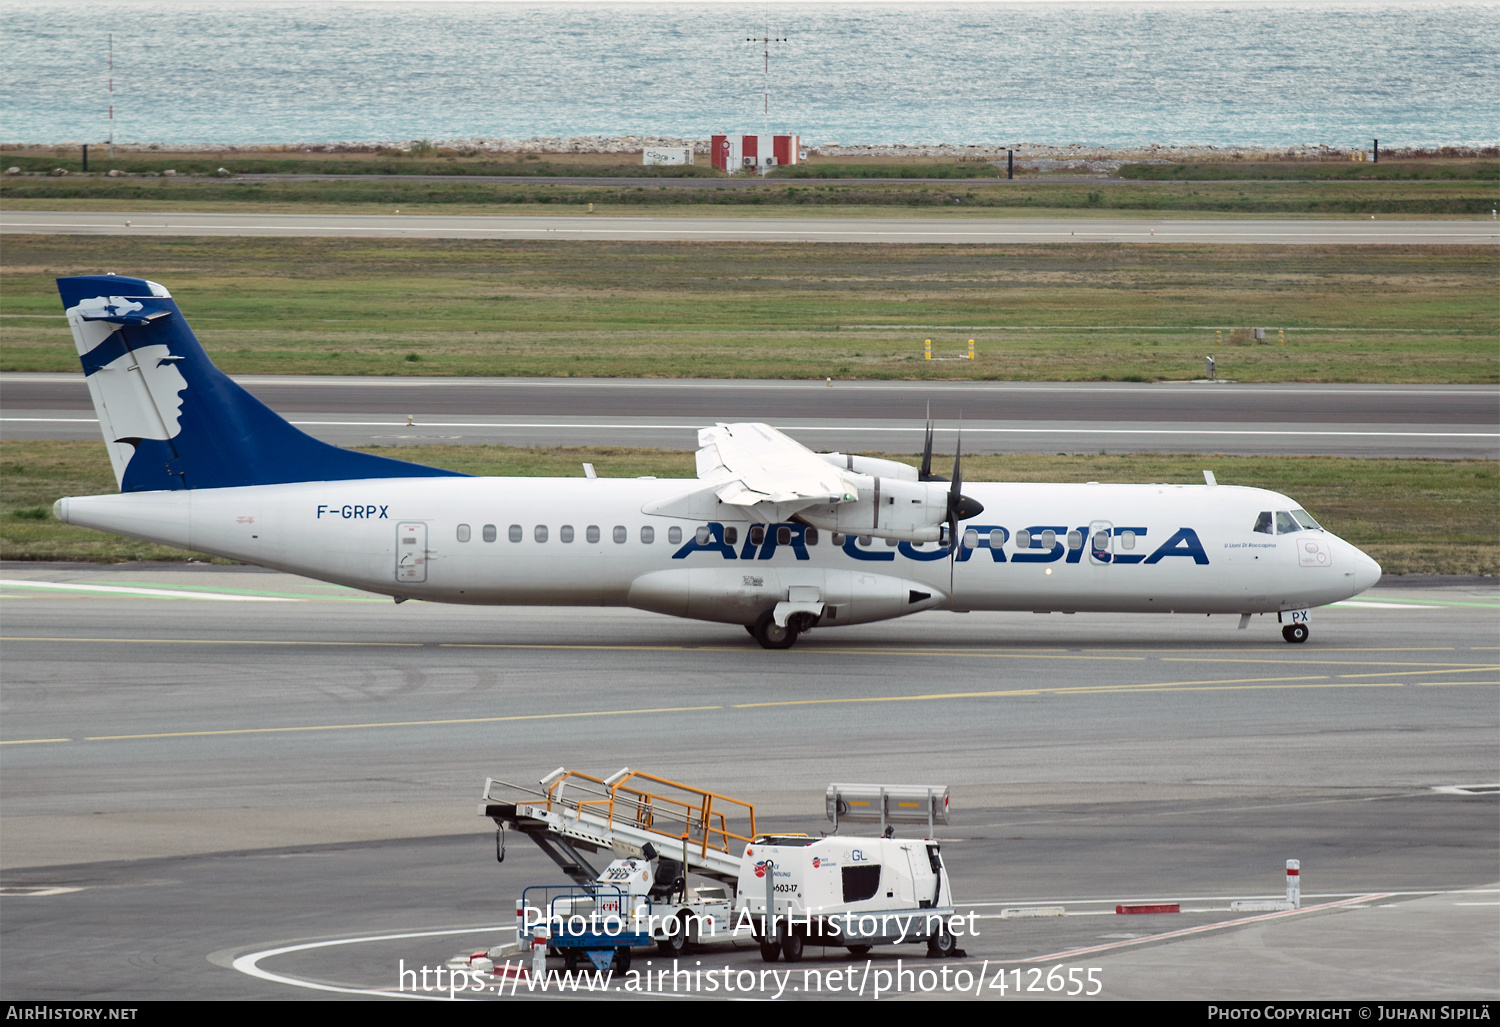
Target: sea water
(1241, 73)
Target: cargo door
(411, 551)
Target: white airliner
(770, 535)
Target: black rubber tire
(941, 944)
(769, 950)
(791, 948)
(622, 959)
(750, 629)
(772, 637)
(1294, 632)
(570, 959)
(859, 950)
(675, 944)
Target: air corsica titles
(1184, 542)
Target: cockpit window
(1264, 524)
(1305, 519)
(1285, 524)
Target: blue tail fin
(171, 419)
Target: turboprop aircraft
(771, 535)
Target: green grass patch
(1362, 171)
(972, 197)
(784, 310)
(1414, 516)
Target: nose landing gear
(1294, 632)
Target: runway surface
(1347, 420)
(201, 763)
(1351, 231)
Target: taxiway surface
(1448, 422)
(1344, 231)
(225, 760)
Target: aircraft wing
(755, 463)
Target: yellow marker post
(1218, 338)
(591, 208)
(971, 349)
(927, 350)
(1281, 336)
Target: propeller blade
(925, 473)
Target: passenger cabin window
(539, 533)
(757, 535)
(997, 538)
(674, 535)
(489, 532)
(463, 533)
(565, 533)
(648, 534)
(591, 533)
(893, 543)
(971, 539)
(515, 533)
(783, 536)
(1127, 540)
(810, 536)
(864, 540)
(703, 534)
(1101, 540)
(1023, 539)
(1265, 524)
(1049, 539)
(838, 538)
(731, 534)
(620, 534)
(1075, 539)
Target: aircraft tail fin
(171, 419)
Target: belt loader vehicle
(782, 891)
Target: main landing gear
(770, 635)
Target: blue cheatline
(216, 434)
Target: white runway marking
(161, 593)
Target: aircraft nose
(1366, 571)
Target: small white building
(667, 155)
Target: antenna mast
(766, 41)
(111, 96)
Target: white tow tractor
(851, 891)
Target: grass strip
(785, 310)
(974, 197)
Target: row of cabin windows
(621, 534)
(566, 533)
(1285, 522)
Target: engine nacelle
(911, 511)
(871, 465)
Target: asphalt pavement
(1341, 231)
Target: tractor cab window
(1265, 524)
